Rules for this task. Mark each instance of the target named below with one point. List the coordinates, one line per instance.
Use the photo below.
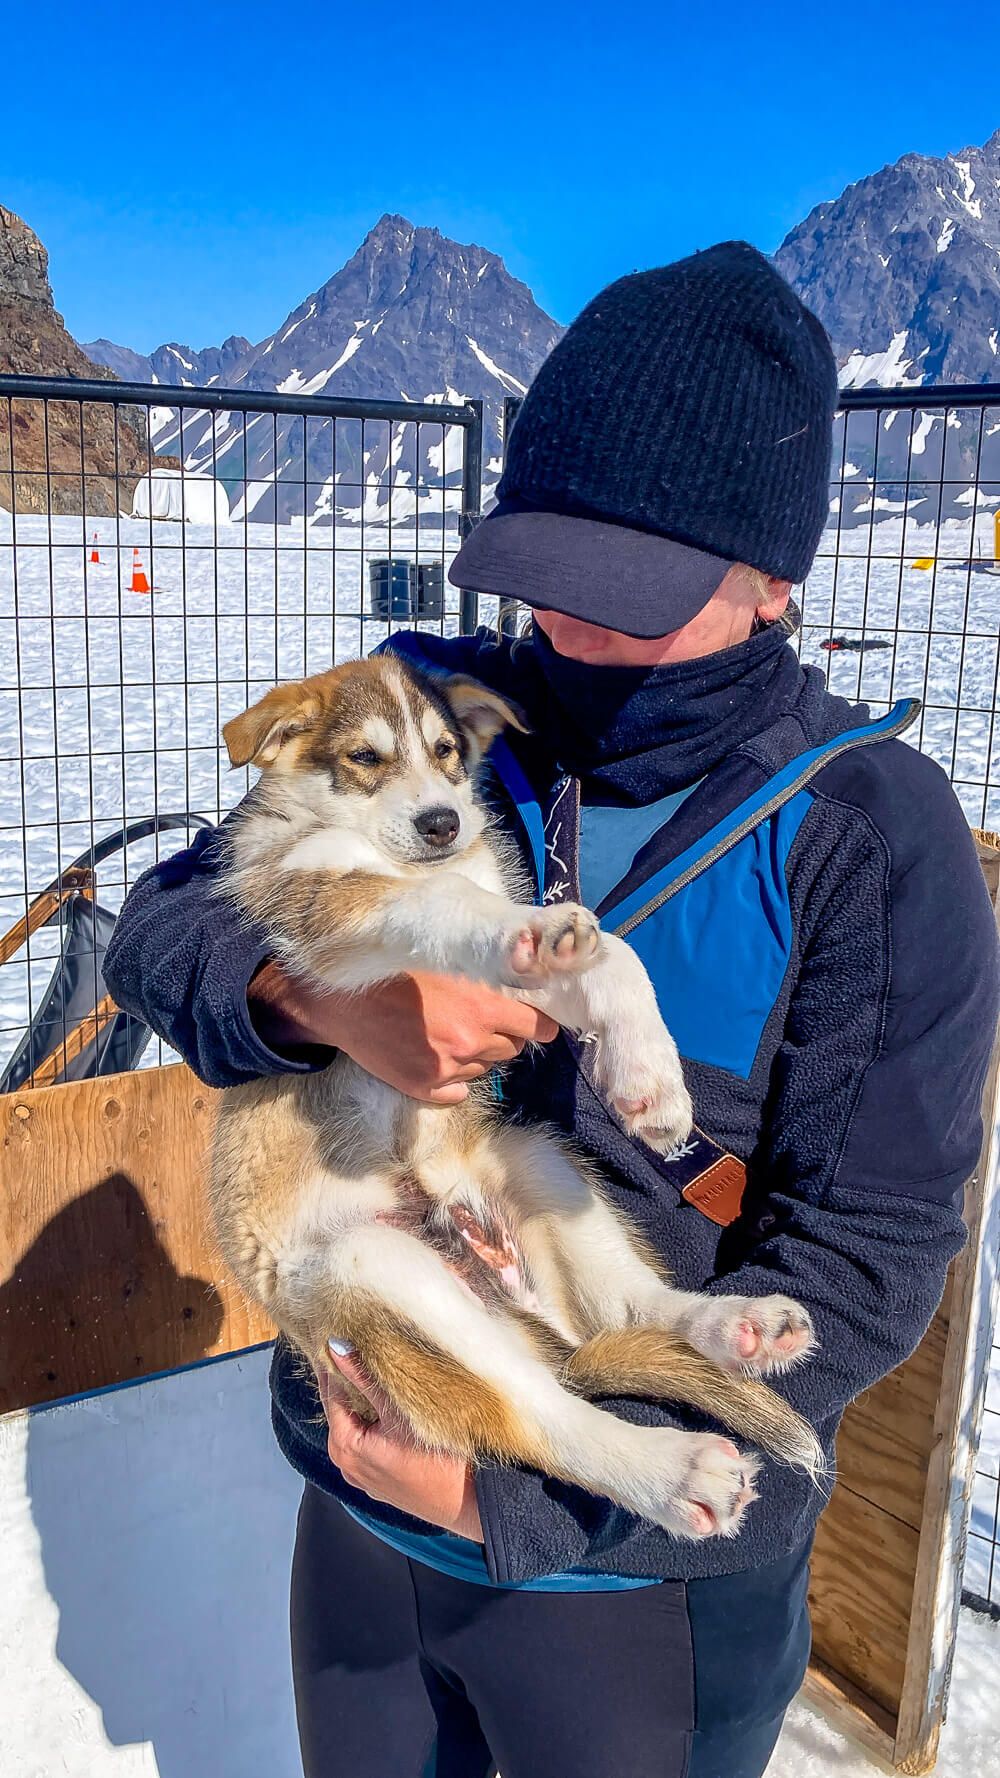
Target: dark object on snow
(854, 644)
(78, 1032)
(403, 591)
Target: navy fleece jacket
(859, 1121)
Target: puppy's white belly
(330, 1207)
(378, 1108)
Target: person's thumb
(452, 1094)
(344, 1359)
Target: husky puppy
(477, 1266)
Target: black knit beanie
(695, 401)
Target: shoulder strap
(512, 776)
(780, 789)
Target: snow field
(809, 1746)
(112, 702)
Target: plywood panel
(860, 1596)
(886, 1435)
(850, 1711)
(107, 1270)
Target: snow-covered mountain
(172, 363)
(903, 269)
(412, 316)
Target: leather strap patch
(718, 1192)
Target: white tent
(169, 494)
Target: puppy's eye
(444, 748)
(365, 756)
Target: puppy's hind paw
(713, 1492)
(762, 1335)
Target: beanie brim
(636, 582)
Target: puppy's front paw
(643, 1082)
(559, 940)
(763, 1335)
(661, 1115)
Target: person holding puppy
(806, 896)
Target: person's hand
(426, 1035)
(385, 1462)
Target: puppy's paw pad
(558, 940)
(524, 952)
(759, 1334)
(657, 1108)
(638, 1071)
(716, 1490)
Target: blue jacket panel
(850, 1083)
(731, 925)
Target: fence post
(511, 409)
(472, 505)
(507, 616)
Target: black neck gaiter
(633, 734)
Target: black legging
(402, 1672)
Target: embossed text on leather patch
(718, 1192)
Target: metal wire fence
(903, 600)
(166, 555)
(904, 597)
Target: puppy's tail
(653, 1363)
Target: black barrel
(403, 591)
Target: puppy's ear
(482, 713)
(257, 737)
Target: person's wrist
(278, 1015)
(468, 1523)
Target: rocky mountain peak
(34, 342)
(391, 231)
(903, 269)
(412, 315)
(24, 264)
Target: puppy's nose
(438, 826)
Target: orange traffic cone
(138, 583)
(95, 554)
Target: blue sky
(196, 171)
